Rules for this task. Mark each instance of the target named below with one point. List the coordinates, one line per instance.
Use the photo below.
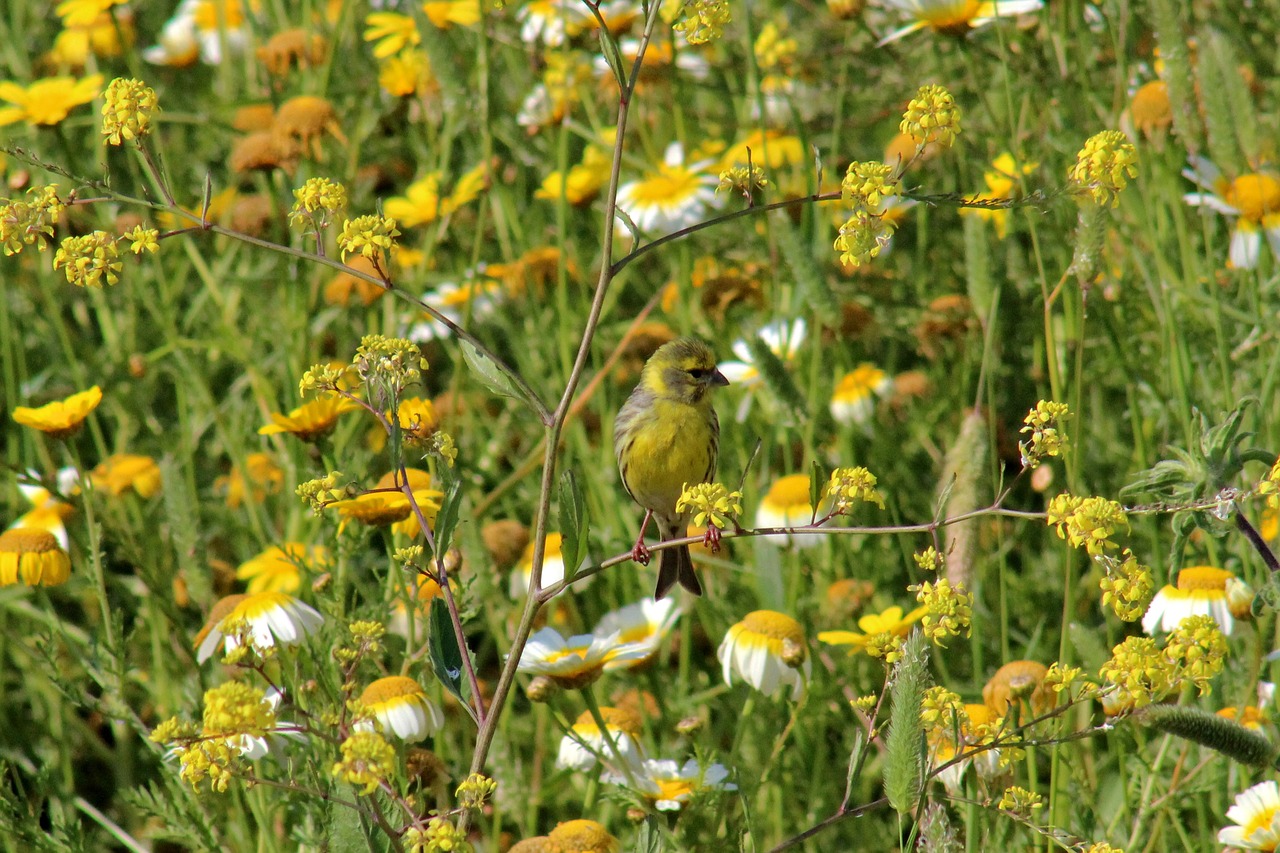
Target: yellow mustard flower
(61, 418)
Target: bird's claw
(640, 554)
(711, 539)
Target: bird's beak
(717, 378)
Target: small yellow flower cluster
(366, 636)
(863, 703)
(322, 491)
(322, 377)
(850, 485)
(316, 201)
(713, 505)
(21, 222)
(1059, 677)
(410, 556)
(1270, 486)
(929, 559)
(208, 759)
(1140, 672)
(950, 609)
(236, 708)
(441, 444)
(704, 20)
(142, 239)
(127, 113)
(1044, 423)
(862, 237)
(1199, 649)
(743, 180)
(1104, 167)
(932, 117)
(1087, 522)
(367, 236)
(367, 759)
(387, 366)
(941, 709)
(867, 184)
(90, 259)
(773, 49)
(885, 645)
(1020, 801)
(475, 791)
(1126, 585)
(173, 729)
(867, 231)
(440, 836)
(1102, 847)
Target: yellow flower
(1201, 591)
(875, 627)
(955, 16)
(853, 401)
(46, 101)
(123, 471)
(583, 182)
(265, 478)
(1017, 681)
(577, 661)
(669, 785)
(787, 505)
(82, 13)
(312, 420)
(279, 569)
(380, 508)
(61, 418)
(1255, 817)
(673, 195)
(446, 13)
(1251, 200)
(585, 744)
(407, 73)
(263, 619)
(401, 707)
(1104, 167)
(129, 108)
(32, 557)
(367, 760)
(767, 650)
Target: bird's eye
(698, 372)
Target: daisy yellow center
(390, 691)
(950, 15)
(584, 835)
(257, 605)
(615, 718)
(1254, 195)
(210, 14)
(773, 626)
(858, 385)
(673, 789)
(28, 540)
(789, 493)
(669, 185)
(1150, 106)
(1203, 579)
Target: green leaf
(447, 517)
(446, 657)
(499, 378)
(613, 56)
(574, 523)
(817, 483)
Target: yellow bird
(666, 436)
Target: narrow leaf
(446, 657)
(447, 518)
(499, 378)
(574, 523)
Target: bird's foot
(640, 553)
(711, 539)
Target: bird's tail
(675, 565)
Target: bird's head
(684, 370)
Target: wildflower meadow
(316, 317)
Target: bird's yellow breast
(674, 447)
